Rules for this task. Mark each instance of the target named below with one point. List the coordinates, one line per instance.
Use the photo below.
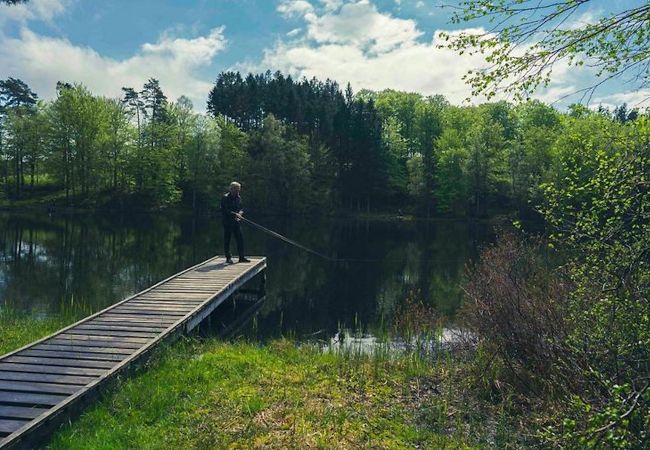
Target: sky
(372, 44)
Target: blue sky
(373, 44)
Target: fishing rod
(308, 249)
(286, 239)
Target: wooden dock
(53, 379)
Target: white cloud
(331, 5)
(294, 32)
(418, 67)
(197, 51)
(41, 61)
(356, 43)
(44, 10)
(295, 8)
(634, 99)
(361, 25)
(352, 41)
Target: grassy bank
(212, 394)
(17, 330)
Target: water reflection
(83, 263)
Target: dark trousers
(228, 231)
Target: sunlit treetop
(526, 39)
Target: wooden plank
(142, 318)
(179, 296)
(47, 370)
(159, 303)
(76, 355)
(207, 291)
(66, 346)
(47, 378)
(46, 388)
(96, 344)
(187, 299)
(122, 327)
(109, 330)
(64, 362)
(9, 426)
(198, 281)
(187, 293)
(183, 301)
(175, 313)
(204, 291)
(163, 304)
(108, 322)
(135, 321)
(20, 412)
(115, 333)
(168, 301)
(148, 311)
(100, 337)
(163, 311)
(26, 398)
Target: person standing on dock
(231, 212)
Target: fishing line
(289, 241)
(311, 250)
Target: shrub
(516, 305)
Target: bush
(516, 306)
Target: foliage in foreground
(611, 42)
(588, 345)
(220, 395)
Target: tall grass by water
(19, 328)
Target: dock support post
(262, 291)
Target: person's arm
(240, 212)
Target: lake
(77, 264)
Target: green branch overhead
(527, 39)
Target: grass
(17, 330)
(214, 394)
(208, 394)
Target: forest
(298, 146)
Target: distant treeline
(296, 145)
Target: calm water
(80, 264)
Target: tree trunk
(32, 169)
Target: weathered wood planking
(51, 380)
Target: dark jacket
(229, 205)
